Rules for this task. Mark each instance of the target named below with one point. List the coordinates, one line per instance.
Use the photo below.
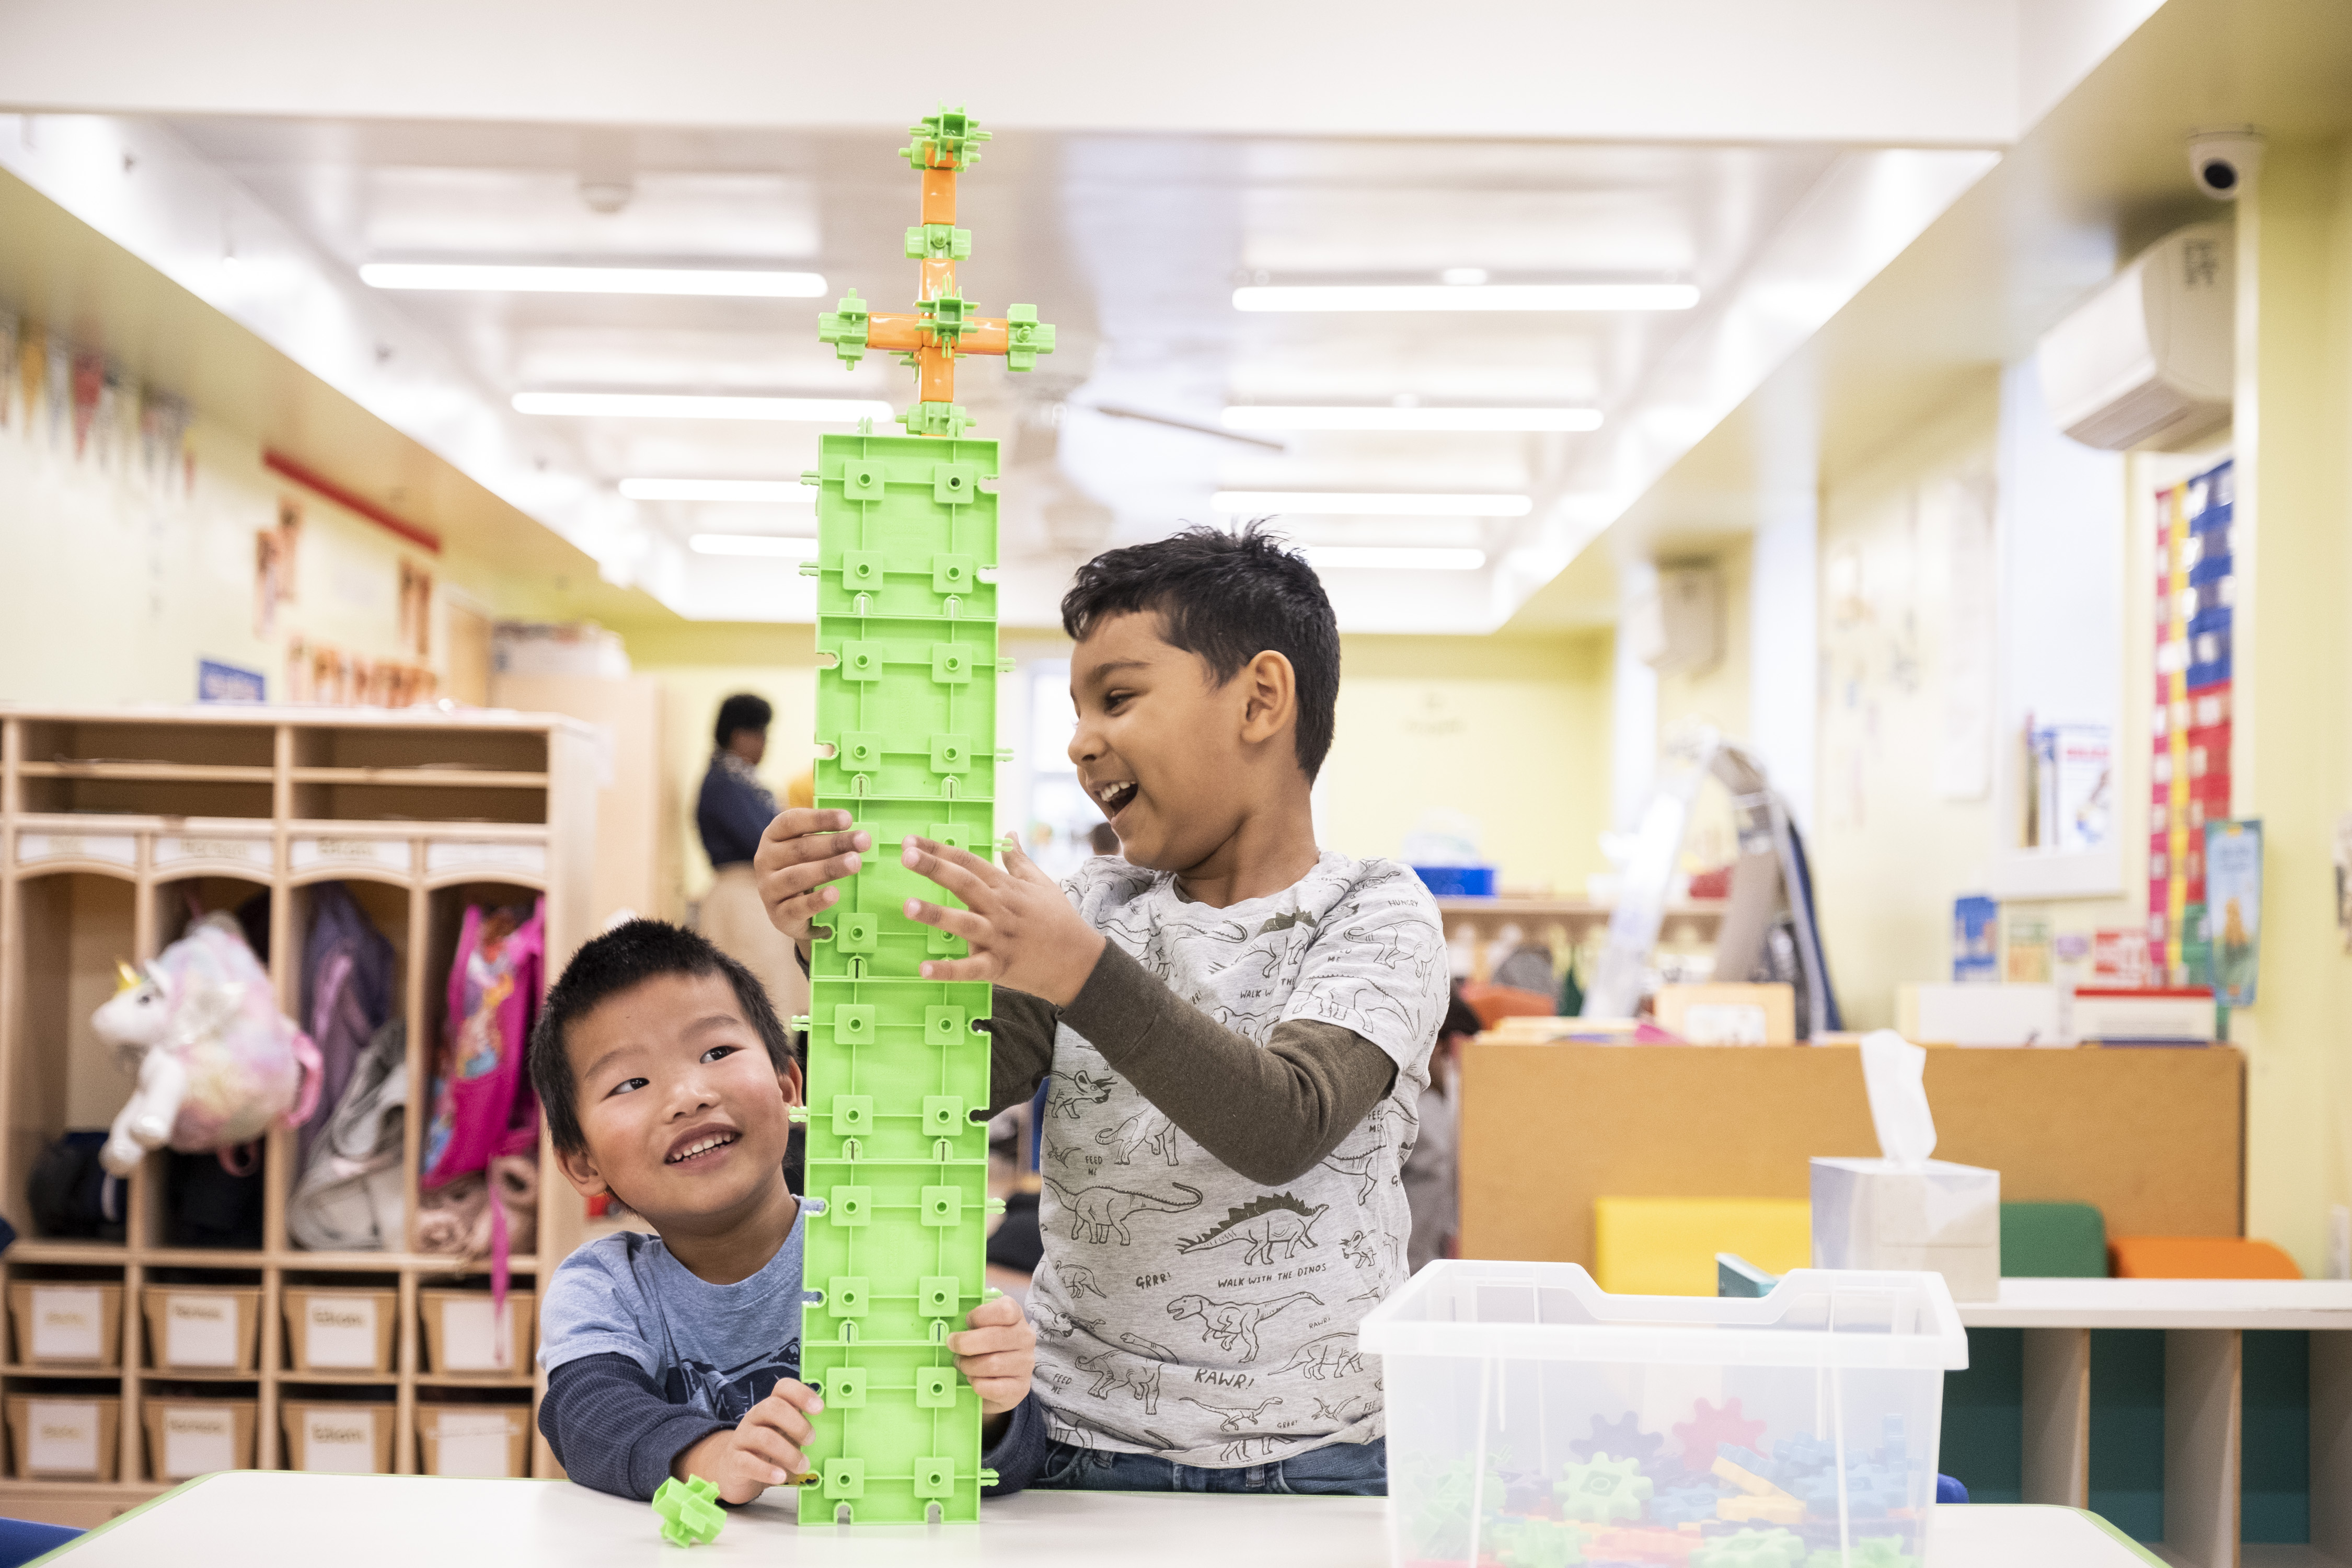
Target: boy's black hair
(743, 711)
(1226, 598)
(625, 956)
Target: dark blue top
(733, 812)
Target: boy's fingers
(782, 1420)
(925, 858)
(802, 822)
(983, 1341)
(979, 966)
(762, 1447)
(996, 1310)
(798, 1395)
(956, 922)
(1002, 1363)
(1022, 868)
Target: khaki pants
(737, 924)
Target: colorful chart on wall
(2191, 732)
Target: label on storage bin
(528, 858)
(61, 1436)
(200, 1331)
(472, 1341)
(339, 1330)
(175, 849)
(376, 854)
(473, 1445)
(65, 1323)
(118, 849)
(339, 1441)
(198, 1440)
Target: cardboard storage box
(191, 1437)
(1878, 1214)
(1730, 1014)
(67, 1322)
(67, 1436)
(461, 1336)
(473, 1439)
(201, 1327)
(339, 1330)
(346, 1439)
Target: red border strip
(423, 538)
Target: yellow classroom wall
(1513, 732)
(124, 568)
(2291, 753)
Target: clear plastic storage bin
(1534, 1420)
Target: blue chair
(21, 1541)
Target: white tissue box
(1875, 1213)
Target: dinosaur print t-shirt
(1184, 1309)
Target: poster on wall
(2189, 728)
(2233, 903)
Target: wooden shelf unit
(105, 816)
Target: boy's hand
(1023, 931)
(764, 1449)
(802, 852)
(996, 1354)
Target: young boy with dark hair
(1236, 1025)
(668, 1081)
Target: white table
(257, 1518)
(2204, 1322)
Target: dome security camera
(2223, 162)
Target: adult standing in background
(734, 810)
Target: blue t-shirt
(719, 1347)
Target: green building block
(1751, 1549)
(898, 1066)
(951, 138)
(689, 1511)
(1602, 1491)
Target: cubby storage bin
(464, 1337)
(190, 1437)
(347, 1437)
(201, 1327)
(67, 1322)
(330, 1329)
(472, 1439)
(64, 1436)
(118, 828)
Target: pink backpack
(483, 1109)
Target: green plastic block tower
(689, 1511)
(897, 1064)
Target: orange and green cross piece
(944, 326)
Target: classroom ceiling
(1133, 246)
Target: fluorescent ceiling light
(708, 282)
(1378, 503)
(1466, 297)
(669, 406)
(1397, 558)
(754, 544)
(766, 492)
(1268, 416)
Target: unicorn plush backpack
(217, 1063)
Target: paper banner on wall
(2190, 728)
(2233, 904)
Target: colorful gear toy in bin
(689, 1511)
(1603, 1489)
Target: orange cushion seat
(2197, 1257)
(1495, 1003)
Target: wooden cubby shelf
(112, 821)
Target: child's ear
(1269, 697)
(579, 1168)
(788, 1079)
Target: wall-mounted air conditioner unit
(2148, 360)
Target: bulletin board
(2189, 772)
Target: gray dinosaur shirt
(1183, 1309)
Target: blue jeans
(1336, 1470)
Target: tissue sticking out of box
(1894, 1072)
(1907, 1211)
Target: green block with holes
(906, 734)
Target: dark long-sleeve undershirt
(1271, 1113)
(611, 1429)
